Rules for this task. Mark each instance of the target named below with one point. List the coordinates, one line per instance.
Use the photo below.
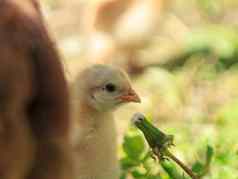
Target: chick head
(104, 87)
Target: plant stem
(180, 163)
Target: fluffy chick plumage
(98, 90)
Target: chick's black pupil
(110, 87)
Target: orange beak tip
(131, 97)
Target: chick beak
(130, 96)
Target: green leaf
(127, 163)
(138, 174)
(153, 177)
(134, 146)
(197, 167)
(209, 154)
(171, 170)
(123, 175)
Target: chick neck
(89, 121)
(89, 112)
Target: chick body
(97, 148)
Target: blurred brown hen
(34, 110)
(119, 28)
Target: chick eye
(110, 87)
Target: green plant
(140, 161)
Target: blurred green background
(187, 79)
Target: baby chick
(98, 91)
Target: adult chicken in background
(115, 30)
